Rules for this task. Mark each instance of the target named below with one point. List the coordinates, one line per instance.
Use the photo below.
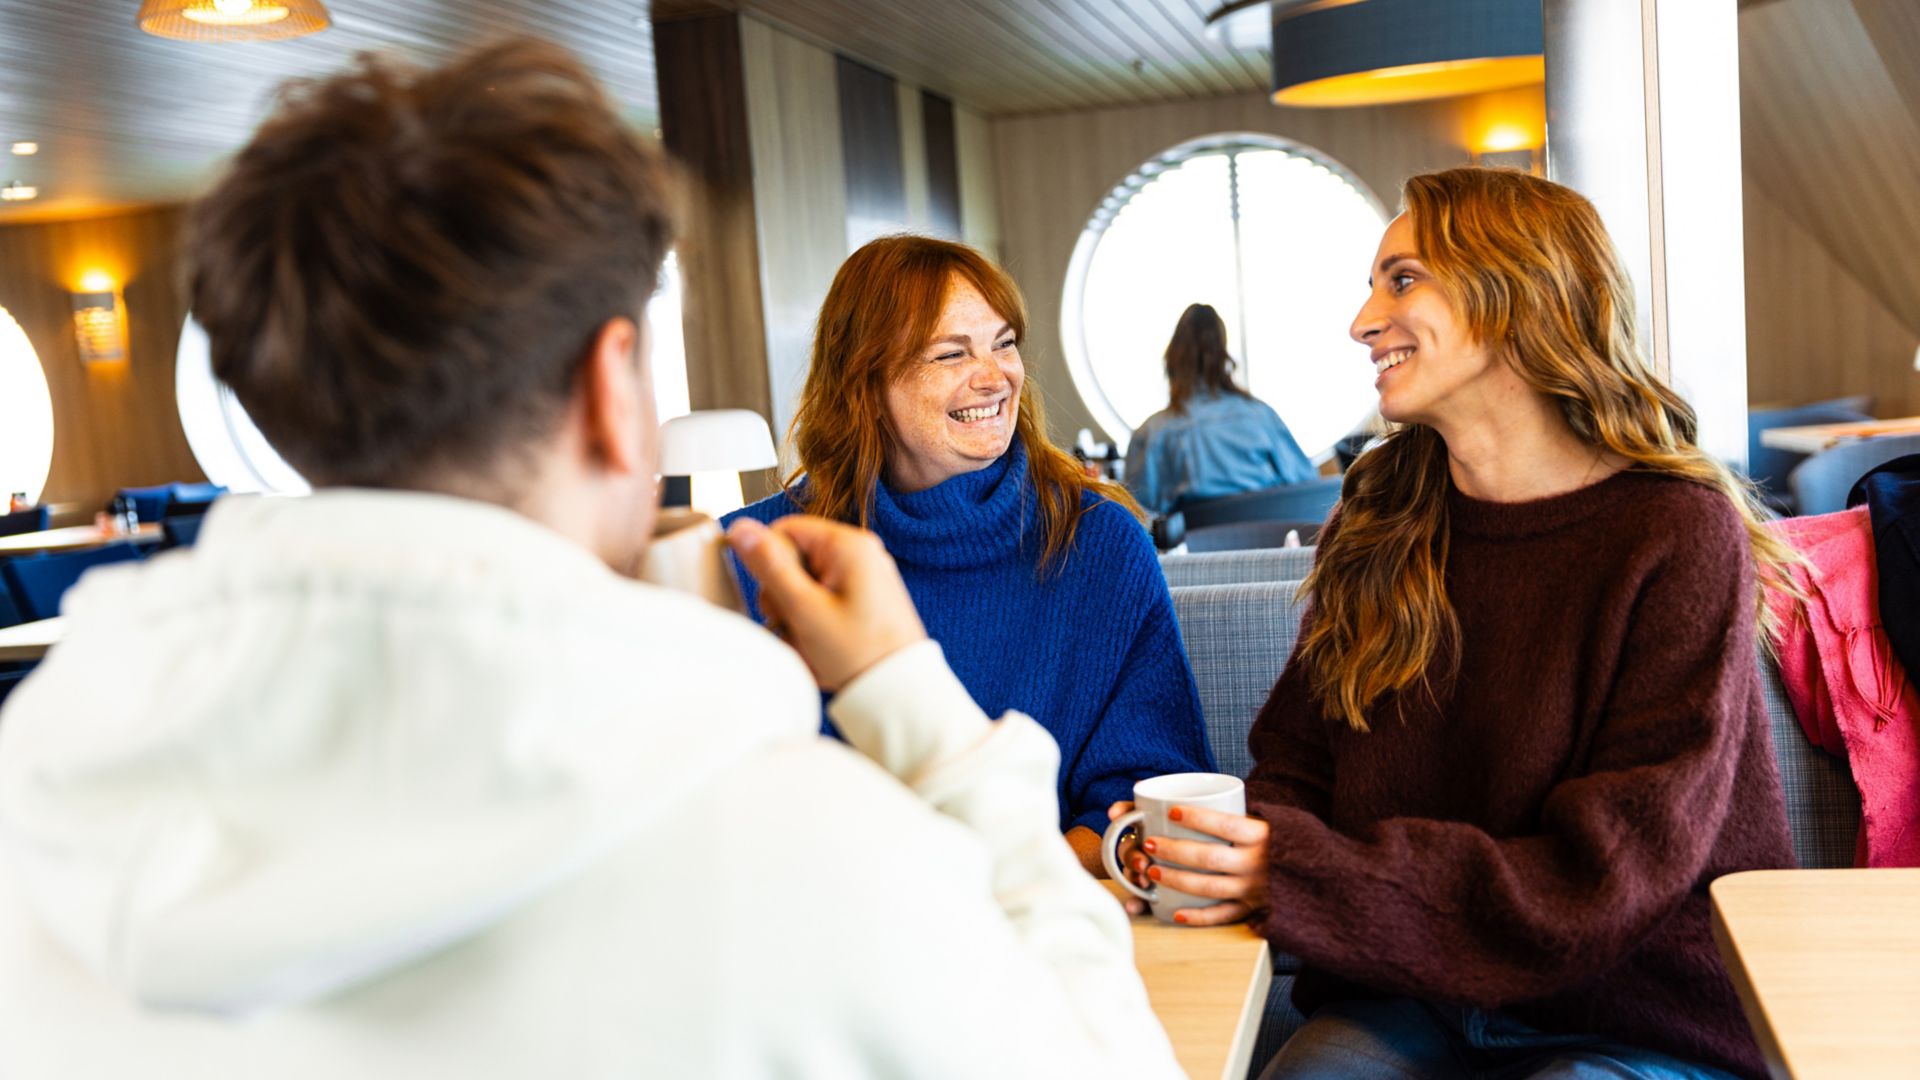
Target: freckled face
(1428, 365)
(953, 409)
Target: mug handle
(1109, 855)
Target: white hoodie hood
(347, 730)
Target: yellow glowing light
(234, 13)
(1502, 137)
(96, 281)
(26, 149)
(1415, 82)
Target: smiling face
(953, 408)
(1428, 367)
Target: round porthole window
(1274, 235)
(26, 416)
(229, 448)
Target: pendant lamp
(233, 20)
(1380, 52)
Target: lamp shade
(1380, 52)
(233, 20)
(715, 440)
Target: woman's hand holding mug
(1230, 870)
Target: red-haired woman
(1040, 584)
(1523, 729)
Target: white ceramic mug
(688, 554)
(1152, 798)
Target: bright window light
(26, 416)
(1275, 236)
(669, 355)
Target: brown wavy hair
(1527, 262)
(882, 310)
(1197, 358)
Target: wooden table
(1208, 986)
(1827, 963)
(1813, 438)
(76, 536)
(31, 640)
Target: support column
(1643, 117)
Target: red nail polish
(1174, 814)
(1149, 846)
(1179, 916)
(1153, 872)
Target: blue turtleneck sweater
(1090, 649)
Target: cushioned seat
(1233, 567)
(39, 581)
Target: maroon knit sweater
(1540, 838)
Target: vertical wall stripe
(703, 121)
(913, 157)
(942, 155)
(870, 147)
(800, 188)
(978, 188)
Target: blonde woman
(1522, 730)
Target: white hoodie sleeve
(910, 714)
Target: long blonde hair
(882, 309)
(1524, 262)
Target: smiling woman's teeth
(1392, 359)
(970, 415)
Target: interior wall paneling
(870, 147)
(978, 187)
(942, 157)
(801, 192)
(1813, 330)
(115, 423)
(913, 155)
(1050, 171)
(704, 122)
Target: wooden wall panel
(115, 424)
(870, 147)
(703, 121)
(979, 190)
(913, 156)
(1813, 330)
(1052, 170)
(942, 156)
(800, 190)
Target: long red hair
(882, 310)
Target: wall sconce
(1525, 159)
(99, 324)
(713, 447)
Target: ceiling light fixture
(15, 191)
(1330, 53)
(26, 149)
(233, 20)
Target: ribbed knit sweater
(1539, 836)
(1090, 649)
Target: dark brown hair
(882, 310)
(1525, 262)
(403, 270)
(1197, 360)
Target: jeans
(1404, 1039)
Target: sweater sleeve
(1444, 910)
(1150, 723)
(911, 715)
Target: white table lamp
(712, 448)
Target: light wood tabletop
(1208, 986)
(70, 538)
(1827, 963)
(31, 640)
(1813, 438)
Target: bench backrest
(1239, 636)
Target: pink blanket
(1845, 685)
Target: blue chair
(151, 503)
(180, 530)
(35, 519)
(1311, 501)
(39, 581)
(1769, 468)
(1248, 535)
(11, 678)
(1821, 483)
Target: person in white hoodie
(408, 779)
